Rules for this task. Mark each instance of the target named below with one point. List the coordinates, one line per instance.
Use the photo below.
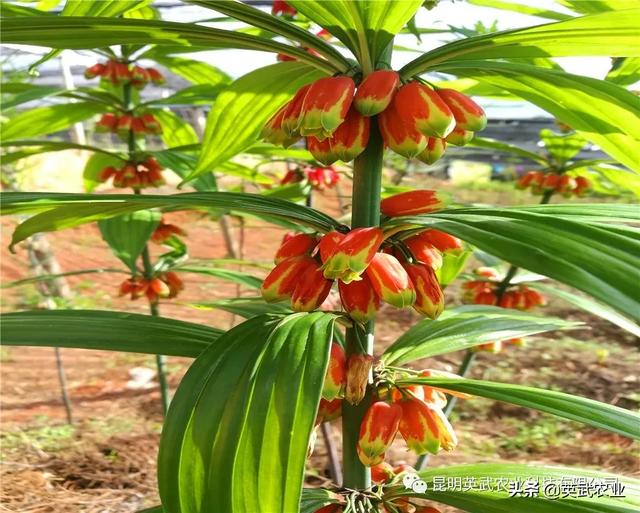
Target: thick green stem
(146, 262)
(367, 176)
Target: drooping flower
(377, 431)
(424, 110)
(375, 92)
(412, 203)
(326, 105)
(390, 281)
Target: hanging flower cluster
(165, 285)
(368, 270)
(416, 120)
(414, 411)
(137, 175)
(164, 231)
(123, 124)
(318, 177)
(120, 73)
(486, 291)
(539, 183)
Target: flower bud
(107, 173)
(412, 203)
(283, 278)
(95, 71)
(328, 244)
(328, 410)
(359, 299)
(566, 185)
(533, 298)
(353, 254)
(433, 151)
(441, 240)
(399, 135)
(424, 110)
(325, 106)
(151, 124)
(358, 370)
(351, 137)
(298, 245)
(273, 132)
(424, 428)
(292, 176)
(424, 252)
(489, 347)
(336, 376)
(124, 125)
(291, 115)
(390, 281)
(467, 113)
(429, 296)
(321, 150)
(583, 185)
(282, 7)
(174, 283)
(381, 473)
(155, 76)
(486, 298)
(107, 123)
(399, 394)
(311, 290)
(377, 431)
(459, 137)
(550, 182)
(525, 180)
(375, 92)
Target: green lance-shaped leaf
(546, 489)
(235, 438)
(57, 211)
(625, 71)
(257, 18)
(17, 93)
(240, 112)
(44, 146)
(522, 9)
(366, 28)
(610, 34)
(104, 8)
(239, 277)
(590, 306)
(110, 331)
(88, 32)
(127, 235)
(602, 112)
(175, 130)
(47, 120)
(465, 327)
(196, 72)
(246, 307)
(568, 406)
(569, 243)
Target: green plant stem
(367, 177)
(470, 356)
(147, 266)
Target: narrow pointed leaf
(235, 438)
(465, 327)
(497, 498)
(88, 32)
(59, 210)
(568, 406)
(610, 34)
(85, 329)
